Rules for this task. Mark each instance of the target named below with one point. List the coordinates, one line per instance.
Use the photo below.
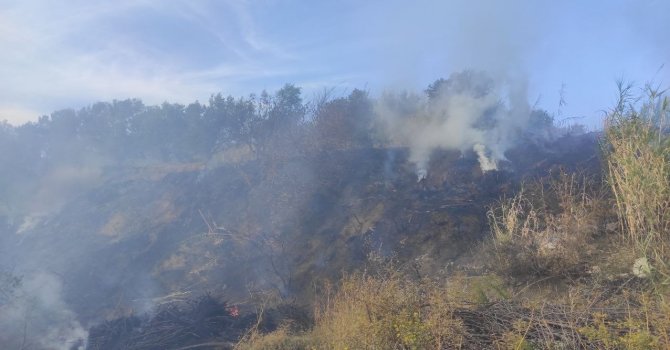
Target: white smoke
(470, 111)
(486, 162)
(38, 318)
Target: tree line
(130, 130)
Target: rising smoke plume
(470, 111)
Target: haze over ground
(69, 55)
(152, 221)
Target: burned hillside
(120, 207)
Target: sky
(70, 54)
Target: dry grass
(547, 228)
(637, 155)
(554, 227)
(385, 311)
(391, 311)
(281, 339)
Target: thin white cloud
(46, 66)
(250, 33)
(68, 54)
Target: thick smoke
(470, 111)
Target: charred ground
(142, 214)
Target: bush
(386, 311)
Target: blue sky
(56, 55)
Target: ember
(234, 311)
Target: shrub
(387, 309)
(384, 311)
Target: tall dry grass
(637, 156)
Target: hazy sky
(59, 54)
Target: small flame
(234, 311)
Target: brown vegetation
(569, 272)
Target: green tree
(344, 122)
